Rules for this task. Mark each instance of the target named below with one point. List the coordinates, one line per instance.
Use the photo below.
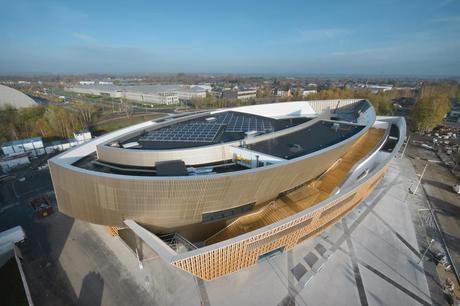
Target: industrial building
(15, 98)
(213, 192)
(236, 93)
(149, 94)
(10, 162)
(33, 145)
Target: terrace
(305, 196)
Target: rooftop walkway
(305, 196)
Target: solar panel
(189, 132)
(209, 131)
(243, 123)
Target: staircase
(306, 196)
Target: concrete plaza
(370, 257)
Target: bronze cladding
(245, 253)
(167, 203)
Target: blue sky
(410, 37)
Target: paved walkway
(371, 257)
(437, 184)
(368, 258)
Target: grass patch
(99, 129)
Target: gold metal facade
(166, 203)
(244, 253)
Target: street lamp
(404, 150)
(419, 180)
(424, 253)
(421, 175)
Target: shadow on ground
(91, 290)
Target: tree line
(52, 122)
(58, 122)
(381, 101)
(433, 103)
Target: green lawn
(116, 124)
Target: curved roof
(346, 129)
(173, 190)
(15, 98)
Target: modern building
(82, 136)
(283, 92)
(10, 162)
(60, 145)
(35, 147)
(150, 94)
(247, 93)
(87, 82)
(228, 93)
(238, 93)
(213, 192)
(32, 145)
(307, 92)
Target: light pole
(419, 179)
(424, 253)
(404, 150)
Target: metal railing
(177, 242)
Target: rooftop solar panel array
(190, 132)
(243, 123)
(208, 129)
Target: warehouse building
(151, 94)
(10, 162)
(33, 145)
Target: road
(437, 184)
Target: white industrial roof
(13, 97)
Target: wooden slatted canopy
(305, 196)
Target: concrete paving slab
(320, 249)
(299, 271)
(378, 245)
(367, 258)
(311, 259)
(260, 285)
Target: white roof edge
(74, 154)
(158, 245)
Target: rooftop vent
(171, 168)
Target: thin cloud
(360, 52)
(84, 37)
(446, 3)
(322, 34)
(450, 19)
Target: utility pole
(419, 179)
(424, 253)
(404, 150)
